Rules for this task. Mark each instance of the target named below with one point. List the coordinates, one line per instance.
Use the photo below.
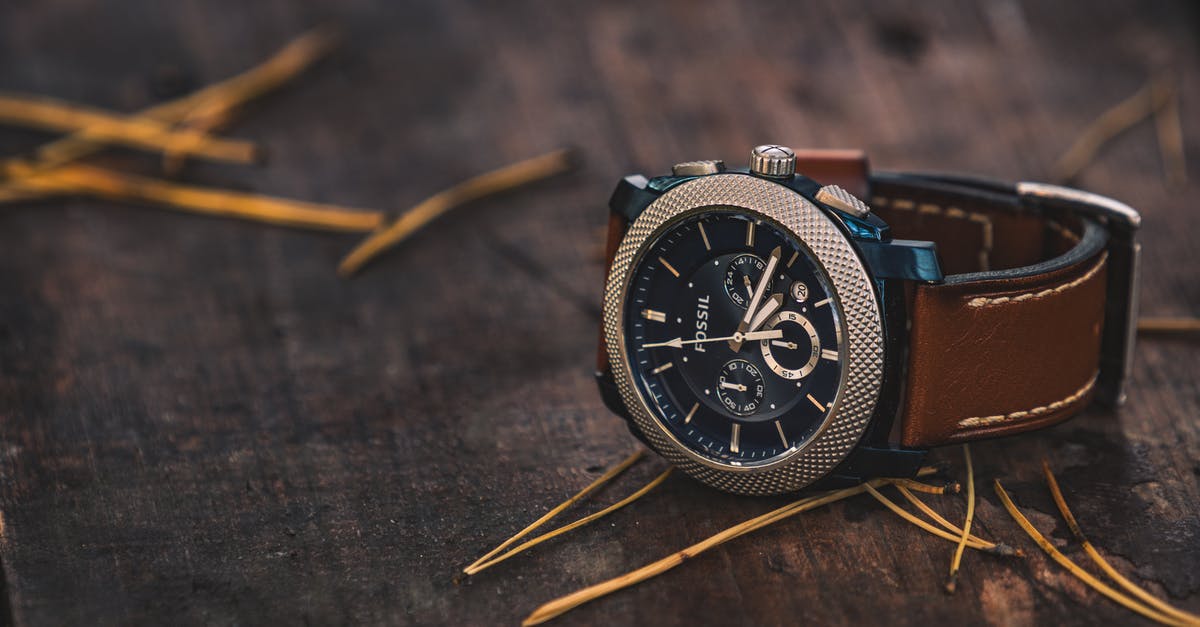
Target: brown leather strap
(1011, 341)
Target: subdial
(740, 387)
(795, 355)
(741, 275)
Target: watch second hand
(740, 337)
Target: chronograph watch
(766, 332)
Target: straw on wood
(1084, 576)
(281, 67)
(972, 541)
(956, 562)
(103, 183)
(1099, 560)
(609, 475)
(529, 544)
(1180, 326)
(115, 129)
(565, 604)
(499, 180)
(1116, 120)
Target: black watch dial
(733, 335)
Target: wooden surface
(200, 423)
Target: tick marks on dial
(691, 412)
(822, 303)
(734, 438)
(749, 233)
(704, 234)
(782, 437)
(816, 403)
(795, 255)
(665, 367)
(669, 267)
(655, 316)
(831, 355)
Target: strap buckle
(1124, 255)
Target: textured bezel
(857, 307)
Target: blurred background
(201, 421)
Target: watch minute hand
(771, 334)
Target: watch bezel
(854, 297)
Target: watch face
(733, 337)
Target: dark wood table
(201, 423)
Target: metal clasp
(1124, 254)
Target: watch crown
(773, 161)
(842, 200)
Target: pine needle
(926, 488)
(284, 65)
(609, 475)
(1074, 569)
(496, 181)
(567, 603)
(1179, 326)
(972, 541)
(1099, 560)
(1150, 98)
(1169, 126)
(999, 548)
(104, 183)
(115, 129)
(572, 526)
(955, 563)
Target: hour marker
(704, 235)
(667, 366)
(793, 259)
(828, 354)
(779, 428)
(691, 412)
(811, 400)
(749, 233)
(669, 267)
(822, 303)
(656, 316)
(733, 439)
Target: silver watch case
(857, 308)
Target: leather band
(1011, 340)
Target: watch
(806, 323)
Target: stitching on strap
(1063, 231)
(983, 220)
(985, 421)
(983, 301)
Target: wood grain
(201, 423)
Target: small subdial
(741, 277)
(740, 387)
(795, 355)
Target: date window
(799, 291)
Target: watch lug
(631, 197)
(909, 260)
(868, 462)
